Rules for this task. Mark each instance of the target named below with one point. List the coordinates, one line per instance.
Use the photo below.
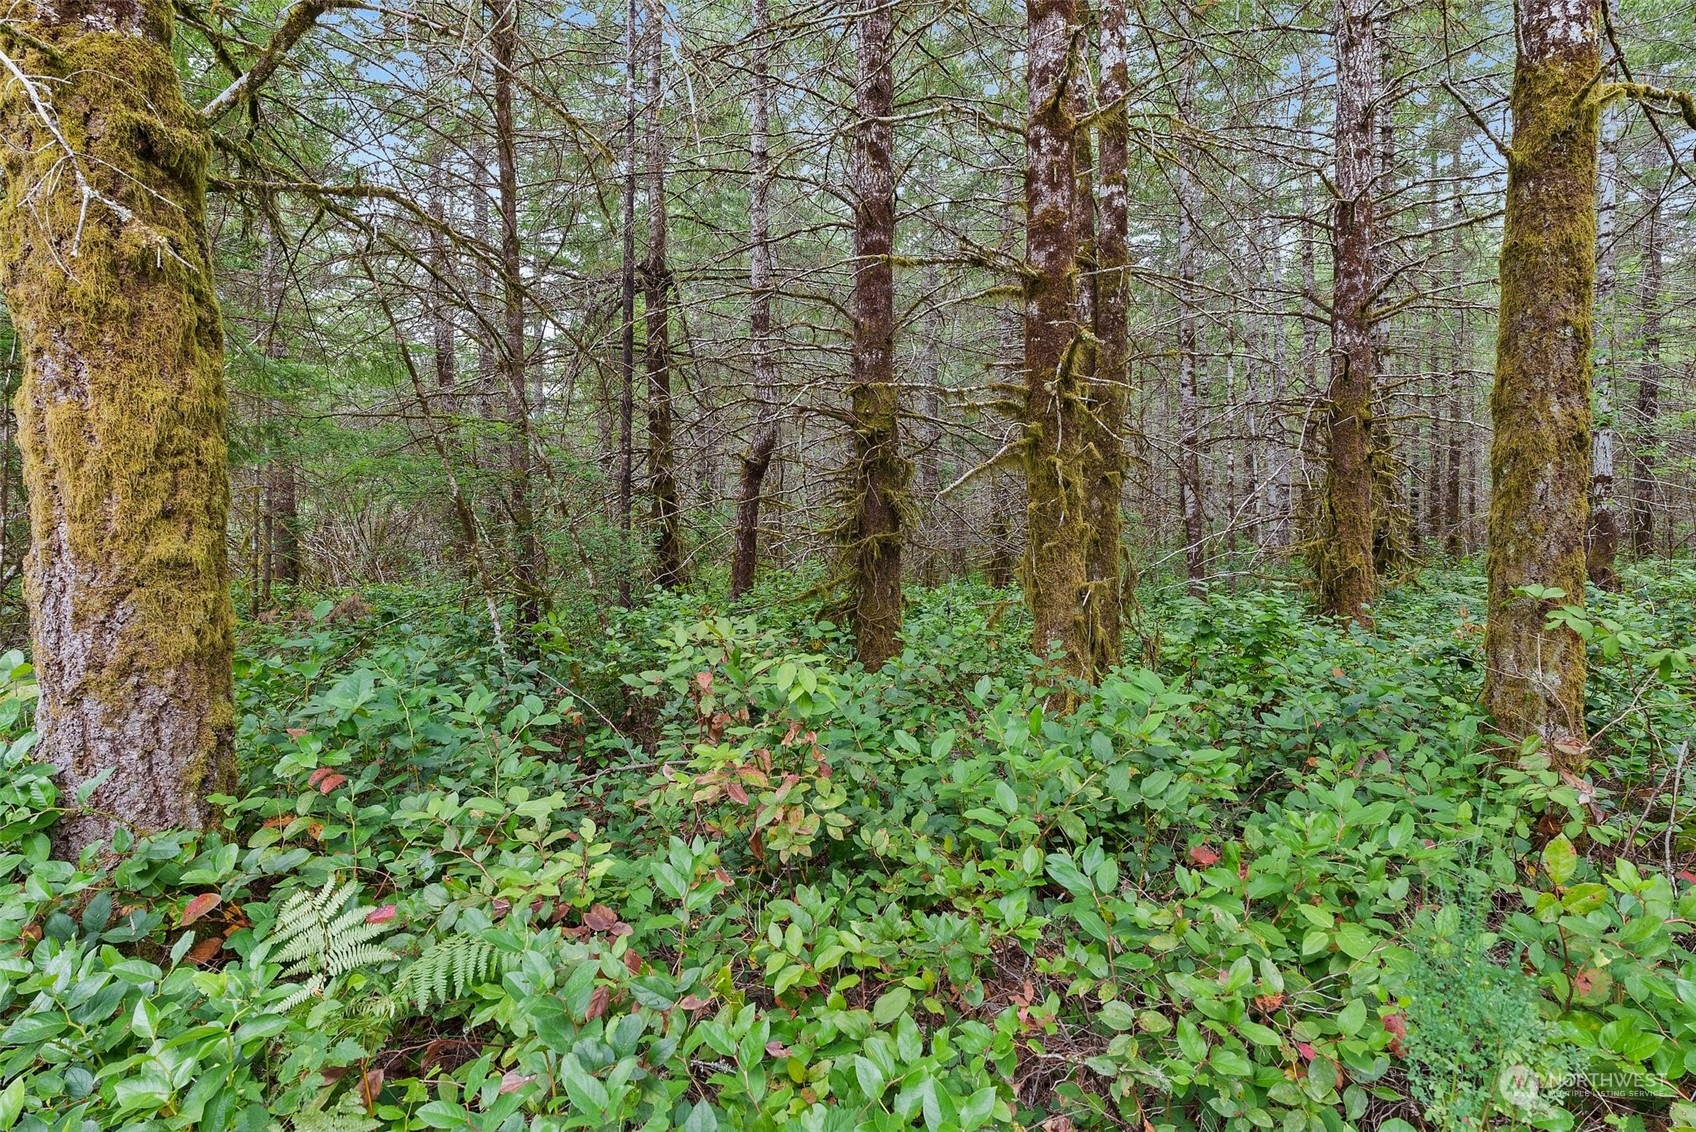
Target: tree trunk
(530, 569)
(1191, 490)
(1110, 388)
(879, 473)
(1540, 406)
(756, 461)
(1648, 389)
(1602, 544)
(1342, 553)
(666, 512)
(627, 325)
(121, 419)
(1056, 413)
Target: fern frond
(448, 970)
(322, 936)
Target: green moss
(122, 409)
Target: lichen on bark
(106, 270)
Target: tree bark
(627, 326)
(530, 569)
(879, 473)
(1342, 555)
(756, 461)
(1540, 405)
(1109, 389)
(666, 513)
(121, 418)
(1191, 490)
(1056, 413)
(1602, 544)
(1648, 389)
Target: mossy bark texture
(1343, 550)
(121, 414)
(1540, 456)
(879, 476)
(1056, 427)
(1110, 387)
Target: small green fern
(446, 971)
(345, 1117)
(321, 936)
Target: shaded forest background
(377, 380)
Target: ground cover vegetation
(695, 868)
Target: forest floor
(692, 869)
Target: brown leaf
(704, 681)
(597, 1004)
(599, 918)
(330, 781)
(633, 962)
(370, 1085)
(775, 1048)
(1203, 855)
(203, 951)
(318, 775)
(512, 1081)
(199, 906)
(737, 794)
(692, 1002)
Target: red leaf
(776, 1048)
(318, 776)
(597, 1004)
(692, 1002)
(1203, 856)
(295, 732)
(737, 794)
(600, 918)
(381, 915)
(199, 906)
(330, 782)
(1687, 876)
(512, 1081)
(1396, 1024)
(1306, 1050)
(633, 962)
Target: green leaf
(1118, 1016)
(584, 1088)
(12, 1103)
(701, 1119)
(1355, 941)
(1190, 1041)
(891, 1005)
(1351, 1018)
(1560, 860)
(870, 1077)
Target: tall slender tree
(879, 473)
(1056, 417)
(1110, 387)
(1343, 546)
(762, 446)
(530, 568)
(1540, 404)
(666, 511)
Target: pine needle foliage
(322, 936)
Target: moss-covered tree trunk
(1342, 554)
(1540, 405)
(121, 416)
(1056, 414)
(879, 474)
(1110, 387)
(666, 511)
